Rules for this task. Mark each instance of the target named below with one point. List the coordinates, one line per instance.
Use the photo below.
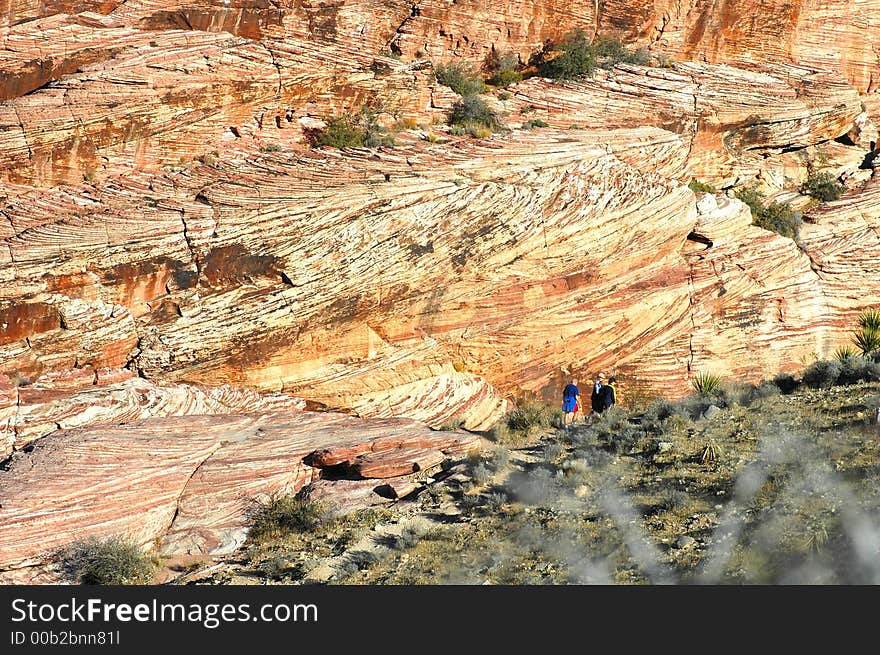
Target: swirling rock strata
(184, 482)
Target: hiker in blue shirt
(570, 397)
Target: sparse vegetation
(452, 424)
(576, 56)
(533, 123)
(503, 68)
(610, 52)
(360, 130)
(285, 514)
(460, 78)
(776, 217)
(271, 147)
(110, 561)
(472, 116)
(700, 187)
(822, 186)
(706, 384)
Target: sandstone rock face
(82, 398)
(185, 482)
(160, 213)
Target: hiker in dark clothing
(570, 397)
(608, 394)
(596, 398)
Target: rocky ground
(769, 489)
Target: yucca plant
(711, 453)
(844, 353)
(870, 319)
(867, 336)
(706, 384)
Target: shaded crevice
(276, 65)
(192, 253)
(691, 291)
(23, 131)
(414, 12)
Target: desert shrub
(693, 407)
(822, 374)
(285, 514)
(359, 130)
(610, 52)
(553, 451)
(271, 147)
(779, 218)
(766, 390)
(498, 459)
(530, 414)
(460, 78)
(482, 474)
(19, 380)
(276, 566)
(452, 424)
(776, 217)
(700, 187)
(473, 115)
(737, 393)
(858, 369)
(822, 186)
(503, 68)
(660, 410)
(109, 561)
(533, 123)
(786, 383)
(706, 384)
(576, 57)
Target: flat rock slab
(449, 443)
(395, 462)
(182, 484)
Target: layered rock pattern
(83, 397)
(186, 482)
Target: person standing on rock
(570, 397)
(596, 400)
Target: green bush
(460, 78)
(529, 415)
(699, 187)
(472, 113)
(109, 561)
(533, 123)
(360, 130)
(706, 384)
(285, 514)
(576, 57)
(822, 374)
(786, 383)
(822, 186)
(776, 217)
(858, 369)
(503, 68)
(610, 52)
